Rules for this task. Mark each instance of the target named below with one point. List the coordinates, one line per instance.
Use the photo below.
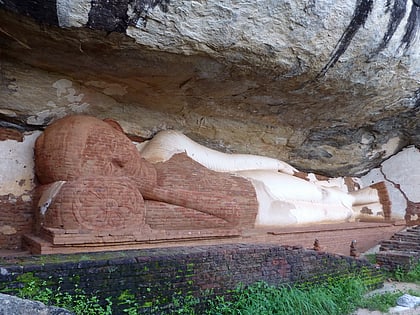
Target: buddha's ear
(114, 124)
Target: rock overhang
(332, 88)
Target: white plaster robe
(283, 198)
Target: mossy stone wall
(157, 275)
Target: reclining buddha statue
(96, 183)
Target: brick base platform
(333, 238)
(58, 241)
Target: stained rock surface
(329, 86)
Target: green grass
(335, 296)
(384, 301)
(338, 296)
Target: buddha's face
(78, 146)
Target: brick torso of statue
(94, 182)
(220, 198)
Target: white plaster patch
(26, 198)
(78, 108)
(72, 96)
(7, 230)
(169, 142)
(403, 170)
(40, 118)
(67, 94)
(17, 165)
(366, 139)
(66, 90)
(73, 13)
(62, 85)
(48, 196)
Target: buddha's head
(77, 146)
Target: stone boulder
(409, 301)
(13, 305)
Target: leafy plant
(371, 258)
(79, 302)
(381, 302)
(413, 275)
(129, 299)
(185, 305)
(34, 288)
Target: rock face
(330, 87)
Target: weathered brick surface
(83, 146)
(15, 211)
(395, 259)
(10, 134)
(98, 203)
(156, 275)
(186, 182)
(110, 187)
(412, 216)
(401, 251)
(16, 220)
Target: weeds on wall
(34, 288)
(334, 295)
(412, 275)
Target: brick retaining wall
(155, 275)
(402, 251)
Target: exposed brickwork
(156, 275)
(83, 146)
(111, 188)
(393, 260)
(16, 220)
(97, 204)
(412, 216)
(333, 238)
(161, 215)
(180, 195)
(16, 212)
(10, 134)
(401, 251)
(222, 195)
